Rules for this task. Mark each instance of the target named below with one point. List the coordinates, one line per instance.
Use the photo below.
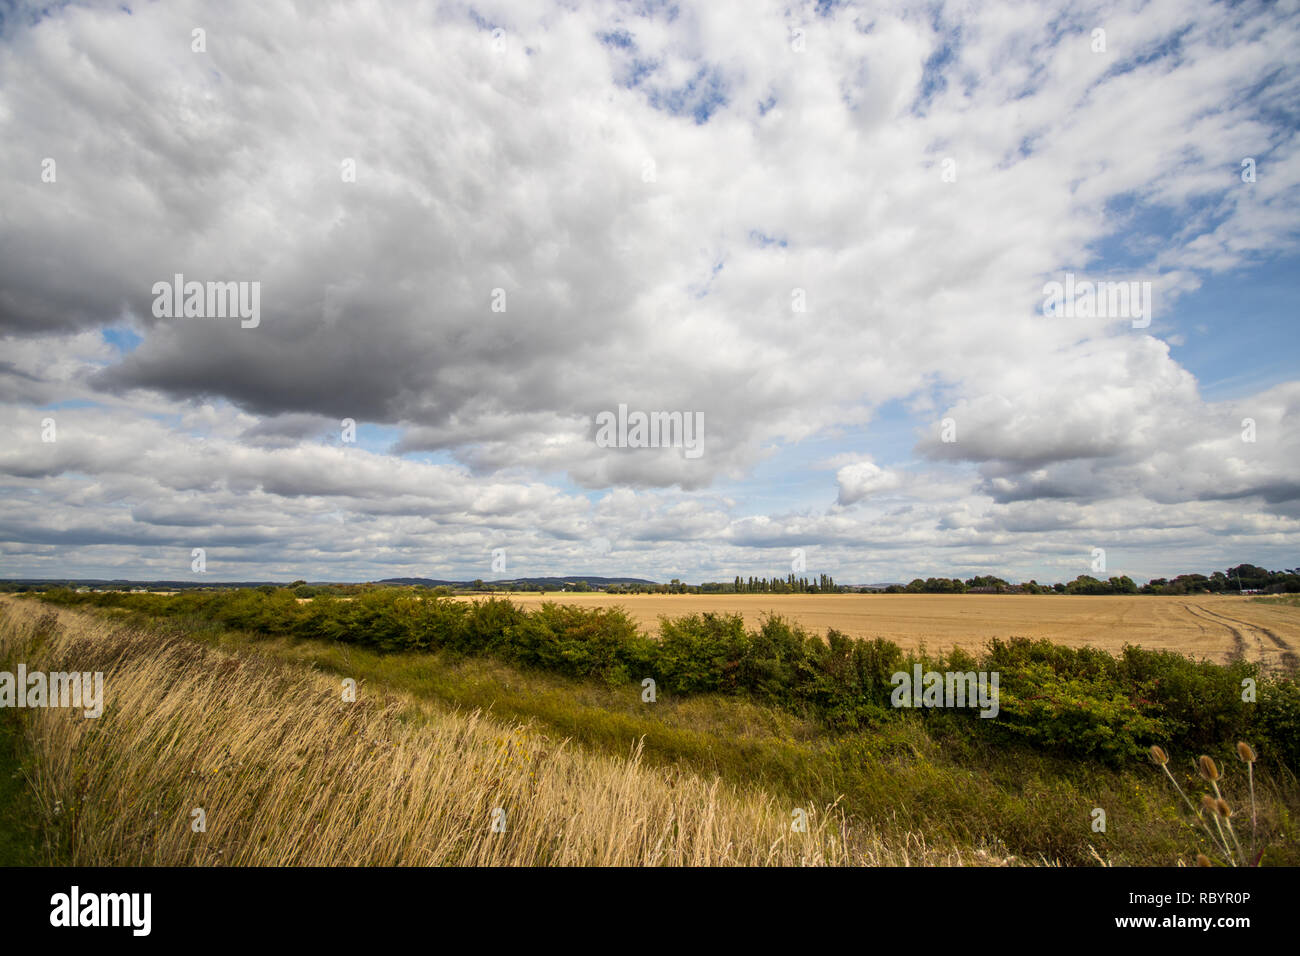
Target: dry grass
(1217, 627)
(289, 774)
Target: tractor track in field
(1289, 656)
(1238, 652)
(1290, 659)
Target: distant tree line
(1244, 577)
(824, 584)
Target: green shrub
(1277, 721)
(1082, 716)
(700, 652)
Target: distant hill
(423, 582)
(593, 580)
(555, 583)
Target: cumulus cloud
(863, 479)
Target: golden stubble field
(1217, 627)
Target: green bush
(700, 652)
(1086, 717)
(1277, 721)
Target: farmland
(773, 717)
(1216, 627)
(484, 706)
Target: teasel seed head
(1221, 805)
(1158, 755)
(1202, 860)
(1245, 752)
(1208, 770)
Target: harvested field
(1217, 627)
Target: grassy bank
(20, 831)
(205, 756)
(913, 780)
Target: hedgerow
(1079, 701)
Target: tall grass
(287, 773)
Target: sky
(828, 232)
